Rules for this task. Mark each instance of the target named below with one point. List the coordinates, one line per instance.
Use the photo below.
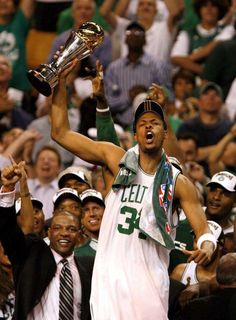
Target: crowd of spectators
(186, 49)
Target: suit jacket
(34, 266)
(218, 306)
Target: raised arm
(171, 146)
(104, 122)
(26, 217)
(27, 6)
(102, 153)
(175, 9)
(121, 7)
(107, 13)
(215, 165)
(11, 236)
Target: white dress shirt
(48, 307)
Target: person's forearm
(204, 152)
(219, 148)
(27, 6)
(15, 147)
(171, 145)
(186, 63)
(26, 218)
(175, 9)
(59, 115)
(106, 12)
(121, 7)
(104, 122)
(203, 52)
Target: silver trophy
(80, 44)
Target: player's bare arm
(187, 195)
(102, 153)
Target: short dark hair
(65, 213)
(135, 25)
(223, 6)
(16, 3)
(187, 136)
(184, 74)
(149, 106)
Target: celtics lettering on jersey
(133, 198)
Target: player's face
(150, 132)
(63, 234)
(92, 216)
(219, 202)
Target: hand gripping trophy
(80, 44)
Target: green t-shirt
(12, 45)
(87, 249)
(190, 18)
(175, 123)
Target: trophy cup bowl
(79, 44)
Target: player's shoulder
(183, 185)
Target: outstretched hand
(97, 81)
(200, 256)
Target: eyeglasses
(134, 32)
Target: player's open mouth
(149, 137)
(214, 205)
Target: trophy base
(39, 83)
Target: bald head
(226, 270)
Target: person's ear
(165, 133)
(49, 233)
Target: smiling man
(93, 207)
(137, 229)
(44, 185)
(39, 269)
(221, 199)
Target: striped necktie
(66, 292)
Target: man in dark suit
(36, 266)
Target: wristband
(206, 237)
(103, 110)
